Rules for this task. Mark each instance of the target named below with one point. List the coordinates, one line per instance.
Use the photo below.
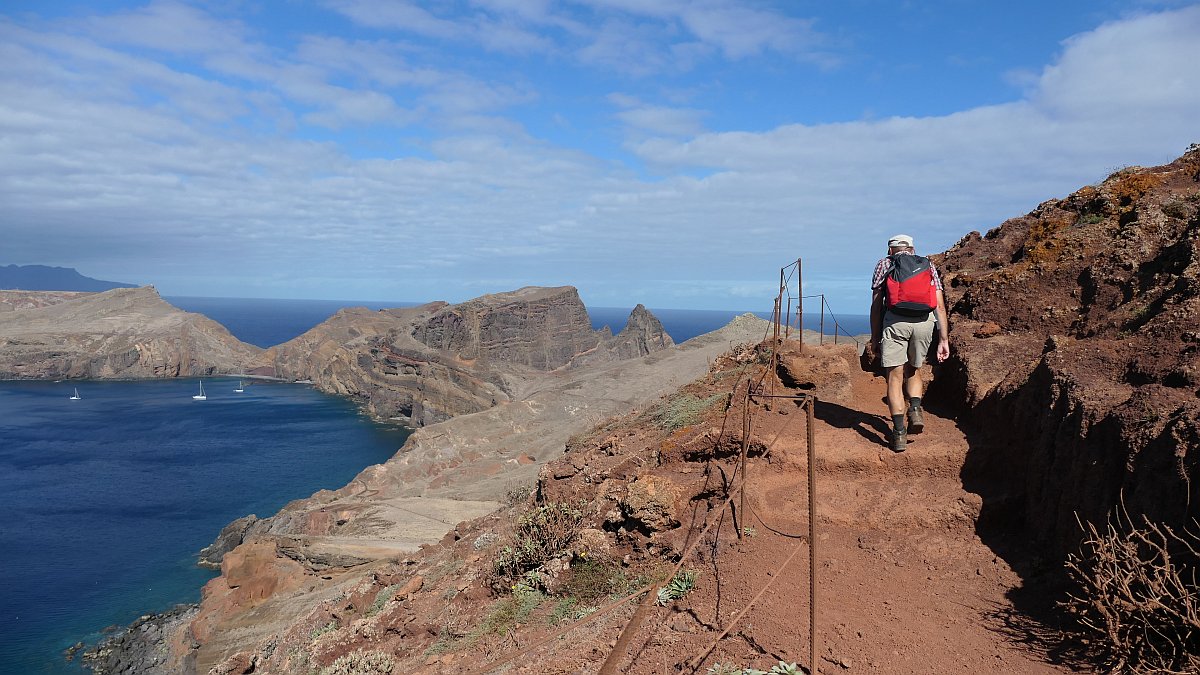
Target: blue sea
(265, 322)
(105, 501)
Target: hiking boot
(916, 421)
(899, 441)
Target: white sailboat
(240, 388)
(201, 396)
(76, 396)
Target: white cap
(900, 240)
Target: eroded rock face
(539, 328)
(643, 334)
(124, 333)
(1075, 338)
(424, 365)
(650, 503)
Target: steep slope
(903, 583)
(1076, 352)
(122, 333)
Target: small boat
(240, 388)
(201, 396)
(76, 396)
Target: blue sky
(666, 152)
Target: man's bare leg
(896, 379)
(913, 388)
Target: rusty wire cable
(735, 487)
(621, 601)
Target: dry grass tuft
(1137, 601)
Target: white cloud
(398, 14)
(113, 158)
(376, 62)
(1134, 65)
(735, 28)
(170, 26)
(1118, 92)
(644, 119)
(627, 35)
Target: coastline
(464, 487)
(138, 647)
(473, 498)
(111, 497)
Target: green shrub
(567, 610)
(447, 641)
(592, 580)
(680, 586)
(540, 534)
(331, 626)
(782, 668)
(1176, 208)
(382, 598)
(510, 611)
(518, 494)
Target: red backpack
(910, 287)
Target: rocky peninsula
(125, 333)
(277, 568)
(495, 387)
(427, 364)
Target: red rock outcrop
(1075, 334)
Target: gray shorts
(905, 340)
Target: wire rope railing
(838, 326)
(791, 279)
(759, 390)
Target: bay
(107, 499)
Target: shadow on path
(1034, 619)
(874, 428)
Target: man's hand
(943, 349)
(869, 361)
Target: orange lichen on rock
(1128, 187)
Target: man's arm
(943, 348)
(877, 314)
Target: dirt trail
(904, 584)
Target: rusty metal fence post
(822, 321)
(812, 534)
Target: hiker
(907, 306)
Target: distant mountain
(44, 278)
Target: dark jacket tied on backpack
(910, 288)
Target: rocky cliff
(122, 333)
(279, 568)
(423, 365)
(1076, 350)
